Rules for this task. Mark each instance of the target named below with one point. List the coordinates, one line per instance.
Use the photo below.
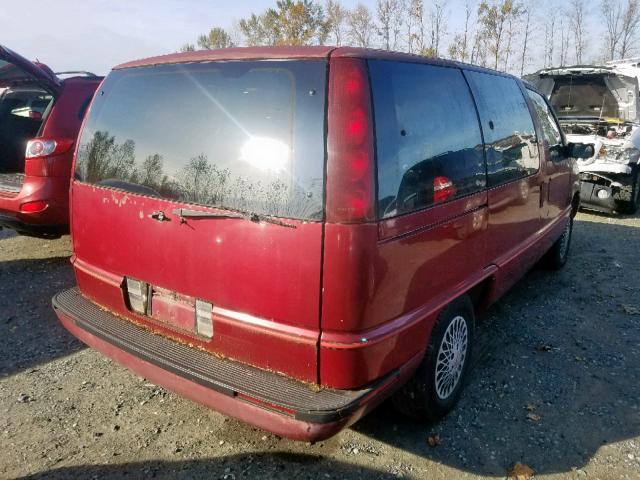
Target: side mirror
(581, 150)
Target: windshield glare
(245, 136)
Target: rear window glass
(509, 134)
(428, 140)
(24, 103)
(246, 136)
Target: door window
(550, 128)
(429, 145)
(509, 134)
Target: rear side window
(509, 134)
(244, 135)
(550, 128)
(429, 145)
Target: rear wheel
(632, 195)
(559, 253)
(437, 385)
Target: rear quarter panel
(385, 284)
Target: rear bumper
(53, 220)
(267, 400)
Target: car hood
(623, 87)
(15, 70)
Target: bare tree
(564, 43)
(629, 30)
(525, 41)
(390, 15)
(549, 38)
(577, 17)
(437, 27)
(479, 47)
(494, 19)
(397, 20)
(384, 10)
(235, 32)
(459, 47)
(612, 13)
(336, 20)
(361, 26)
(511, 22)
(415, 26)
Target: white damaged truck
(600, 105)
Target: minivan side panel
(223, 261)
(399, 283)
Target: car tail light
(41, 157)
(350, 181)
(138, 293)
(33, 207)
(443, 189)
(204, 319)
(47, 147)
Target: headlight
(619, 155)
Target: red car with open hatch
(40, 116)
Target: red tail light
(33, 207)
(42, 157)
(47, 147)
(443, 189)
(350, 180)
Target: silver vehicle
(600, 105)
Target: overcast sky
(98, 34)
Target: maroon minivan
(40, 116)
(291, 235)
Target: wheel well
(575, 204)
(479, 294)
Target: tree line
(508, 35)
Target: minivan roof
(306, 52)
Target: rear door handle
(160, 216)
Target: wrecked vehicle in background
(599, 105)
(40, 116)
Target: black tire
(419, 398)
(632, 194)
(558, 254)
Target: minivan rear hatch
(198, 194)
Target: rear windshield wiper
(183, 213)
(256, 217)
(188, 213)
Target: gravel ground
(555, 385)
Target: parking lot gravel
(555, 385)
